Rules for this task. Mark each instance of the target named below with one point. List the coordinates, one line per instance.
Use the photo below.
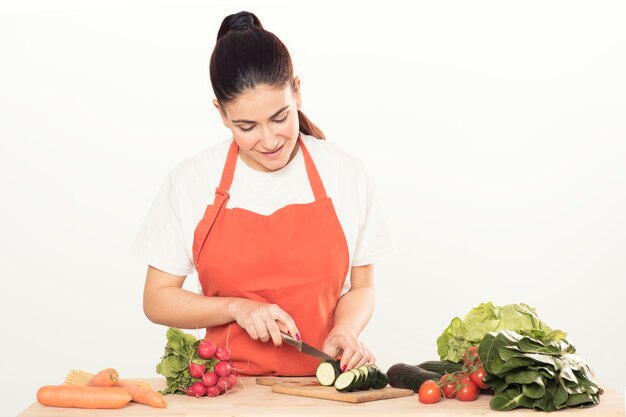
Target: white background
(495, 131)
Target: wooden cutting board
(309, 387)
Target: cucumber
(345, 382)
(360, 378)
(381, 378)
(327, 372)
(441, 367)
(368, 382)
(412, 377)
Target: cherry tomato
(448, 385)
(470, 356)
(429, 392)
(468, 391)
(478, 377)
(464, 379)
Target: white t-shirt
(166, 238)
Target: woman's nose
(269, 140)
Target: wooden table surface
(250, 399)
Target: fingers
(330, 348)
(265, 321)
(355, 354)
(287, 325)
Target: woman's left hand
(353, 352)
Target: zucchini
(327, 372)
(345, 382)
(360, 378)
(368, 382)
(412, 377)
(441, 367)
(381, 378)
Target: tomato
(468, 391)
(470, 356)
(464, 379)
(429, 392)
(448, 385)
(478, 377)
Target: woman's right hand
(263, 321)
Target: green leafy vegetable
(533, 373)
(180, 350)
(462, 334)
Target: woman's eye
(282, 120)
(246, 129)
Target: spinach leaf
(531, 372)
(509, 400)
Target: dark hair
(246, 55)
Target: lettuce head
(462, 334)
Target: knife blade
(305, 347)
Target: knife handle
(292, 341)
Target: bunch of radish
(216, 380)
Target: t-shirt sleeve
(374, 241)
(160, 242)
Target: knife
(305, 348)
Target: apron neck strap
(314, 177)
(231, 161)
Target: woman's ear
(222, 113)
(296, 92)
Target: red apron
(296, 257)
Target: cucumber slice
(345, 381)
(373, 375)
(358, 381)
(327, 372)
(366, 379)
(381, 379)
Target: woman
(253, 216)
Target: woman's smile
(274, 154)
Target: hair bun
(239, 22)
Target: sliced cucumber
(359, 379)
(373, 375)
(367, 377)
(327, 372)
(345, 382)
(381, 378)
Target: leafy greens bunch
(180, 350)
(532, 373)
(460, 335)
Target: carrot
(143, 395)
(75, 377)
(73, 396)
(105, 378)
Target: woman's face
(264, 122)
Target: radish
(222, 384)
(222, 353)
(196, 370)
(222, 368)
(212, 392)
(234, 371)
(232, 381)
(196, 390)
(209, 379)
(206, 349)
